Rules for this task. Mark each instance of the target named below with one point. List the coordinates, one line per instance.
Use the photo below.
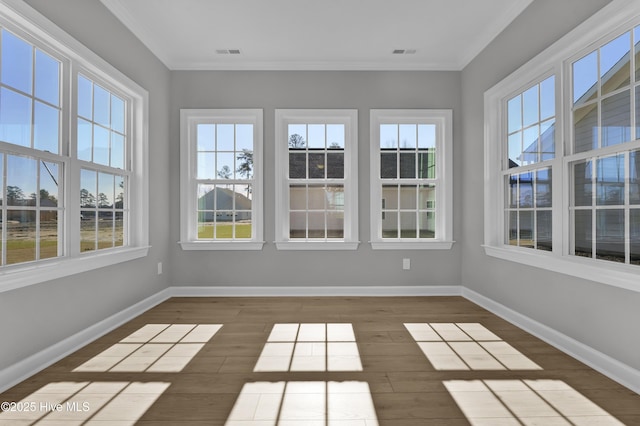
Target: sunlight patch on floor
(309, 403)
(528, 402)
(157, 348)
(466, 346)
(310, 347)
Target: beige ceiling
(316, 35)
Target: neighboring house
(218, 204)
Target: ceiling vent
(404, 51)
(228, 51)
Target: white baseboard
(621, 373)
(29, 366)
(610, 367)
(285, 291)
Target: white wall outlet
(406, 264)
(159, 268)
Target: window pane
(105, 230)
(512, 190)
(634, 177)
(225, 165)
(335, 165)
(45, 129)
(117, 151)
(316, 136)
(543, 230)
(530, 107)
(206, 224)
(427, 136)
(85, 138)
(514, 111)
(297, 165)
(316, 198)
(49, 178)
(206, 137)
(585, 78)
(297, 136)
(389, 224)
(21, 236)
(582, 229)
(615, 64)
(48, 234)
(21, 181)
(586, 128)
(335, 224)
(316, 227)
(616, 119)
(244, 137)
(427, 197)
(408, 225)
(88, 231)
(101, 106)
(512, 226)
(335, 136)
(317, 165)
(225, 137)
(531, 137)
(634, 235)
(88, 185)
(1, 192)
(298, 197)
(638, 108)
(206, 165)
(117, 114)
(389, 165)
(407, 165)
(389, 136)
(582, 188)
(15, 118)
(105, 190)
(85, 98)
(297, 224)
(610, 235)
(515, 150)
(335, 197)
(526, 190)
(224, 223)
(427, 224)
(101, 145)
(244, 164)
(120, 192)
(610, 181)
(547, 140)
(47, 84)
(17, 62)
(547, 98)
(390, 197)
(526, 229)
(242, 225)
(427, 164)
(543, 188)
(408, 137)
(408, 197)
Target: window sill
(617, 275)
(221, 245)
(317, 245)
(412, 245)
(38, 272)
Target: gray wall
(39, 316)
(306, 89)
(597, 315)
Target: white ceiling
(316, 35)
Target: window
(73, 172)
(411, 179)
(221, 179)
(316, 187)
(561, 154)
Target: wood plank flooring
(182, 372)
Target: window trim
(45, 34)
(188, 163)
(554, 60)
(444, 188)
(349, 117)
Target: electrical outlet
(159, 268)
(406, 264)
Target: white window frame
(443, 119)
(17, 16)
(348, 117)
(189, 119)
(603, 26)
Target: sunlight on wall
(310, 347)
(308, 403)
(466, 346)
(529, 402)
(87, 403)
(155, 348)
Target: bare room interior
(321, 213)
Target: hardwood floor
(380, 370)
